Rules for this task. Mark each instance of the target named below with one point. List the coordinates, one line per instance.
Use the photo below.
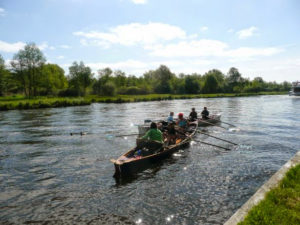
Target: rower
(182, 122)
(153, 134)
(170, 118)
(151, 142)
(193, 115)
(205, 114)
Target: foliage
(26, 66)
(52, 79)
(80, 77)
(30, 75)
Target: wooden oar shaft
(227, 149)
(227, 123)
(78, 133)
(213, 124)
(217, 138)
(124, 135)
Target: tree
(163, 76)
(26, 65)
(210, 84)
(4, 77)
(233, 78)
(192, 85)
(53, 79)
(80, 77)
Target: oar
(227, 149)
(213, 124)
(124, 135)
(217, 137)
(78, 133)
(227, 123)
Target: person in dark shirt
(205, 114)
(193, 115)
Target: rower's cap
(180, 114)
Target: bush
(108, 89)
(69, 93)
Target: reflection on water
(48, 176)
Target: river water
(50, 177)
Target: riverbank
(21, 102)
(281, 205)
(276, 202)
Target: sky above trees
(261, 38)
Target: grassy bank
(281, 205)
(20, 102)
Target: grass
(21, 102)
(281, 205)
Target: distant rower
(205, 113)
(193, 115)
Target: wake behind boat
(146, 153)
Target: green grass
(281, 205)
(21, 102)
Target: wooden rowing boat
(212, 119)
(130, 163)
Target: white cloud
(230, 30)
(139, 1)
(65, 46)
(2, 12)
(192, 48)
(8, 47)
(45, 46)
(245, 33)
(60, 57)
(251, 52)
(206, 47)
(134, 34)
(204, 28)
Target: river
(48, 176)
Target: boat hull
(130, 165)
(213, 119)
(140, 165)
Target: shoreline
(257, 208)
(15, 102)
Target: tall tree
(210, 84)
(80, 77)
(163, 75)
(53, 79)
(26, 65)
(233, 78)
(3, 77)
(192, 85)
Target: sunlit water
(50, 177)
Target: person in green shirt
(153, 134)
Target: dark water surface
(50, 177)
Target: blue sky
(260, 38)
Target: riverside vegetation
(21, 102)
(31, 82)
(281, 205)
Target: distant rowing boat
(215, 118)
(131, 163)
(212, 119)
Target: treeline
(30, 74)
